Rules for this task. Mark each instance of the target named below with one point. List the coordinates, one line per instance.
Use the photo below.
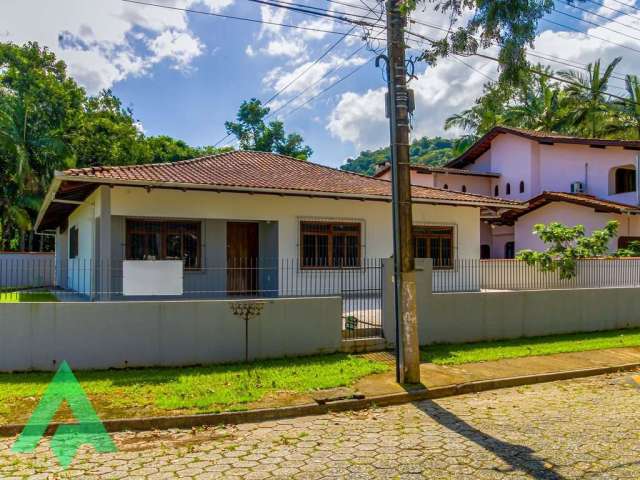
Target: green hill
(434, 151)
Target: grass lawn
(484, 351)
(20, 297)
(161, 391)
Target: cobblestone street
(585, 428)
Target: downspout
(586, 177)
(637, 178)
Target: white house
(566, 179)
(234, 221)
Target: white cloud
(359, 119)
(106, 41)
(180, 47)
(307, 79)
(283, 47)
(451, 87)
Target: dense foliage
(566, 245)
(434, 151)
(48, 123)
(253, 133)
(565, 102)
(509, 24)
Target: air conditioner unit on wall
(577, 187)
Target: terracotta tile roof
(484, 143)
(260, 171)
(590, 201)
(385, 167)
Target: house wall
(39, 336)
(553, 167)
(212, 278)
(500, 236)
(286, 213)
(560, 165)
(570, 215)
(278, 217)
(512, 157)
(62, 258)
(478, 185)
(482, 163)
(80, 273)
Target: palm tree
(538, 108)
(587, 98)
(627, 121)
(23, 173)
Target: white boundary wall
(38, 336)
(25, 270)
(480, 316)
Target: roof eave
(275, 191)
(50, 195)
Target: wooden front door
(242, 258)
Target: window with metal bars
(325, 245)
(164, 240)
(435, 243)
(73, 242)
(625, 180)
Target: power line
(596, 14)
(575, 65)
(455, 57)
(602, 5)
(317, 60)
(626, 5)
(340, 80)
(532, 70)
(599, 25)
(589, 34)
(290, 101)
(296, 7)
(529, 52)
(322, 77)
(245, 19)
(279, 92)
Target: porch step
(362, 345)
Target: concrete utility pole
(404, 263)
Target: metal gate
(361, 291)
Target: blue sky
(185, 74)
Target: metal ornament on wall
(247, 311)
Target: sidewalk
(439, 381)
(535, 368)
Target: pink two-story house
(566, 179)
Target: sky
(185, 74)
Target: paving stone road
(585, 428)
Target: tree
(488, 111)
(48, 123)
(539, 104)
(509, 24)
(566, 245)
(163, 148)
(627, 118)
(107, 134)
(23, 153)
(631, 250)
(434, 151)
(587, 98)
(254, 134)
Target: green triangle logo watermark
(88, 429)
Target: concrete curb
(261, 415)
